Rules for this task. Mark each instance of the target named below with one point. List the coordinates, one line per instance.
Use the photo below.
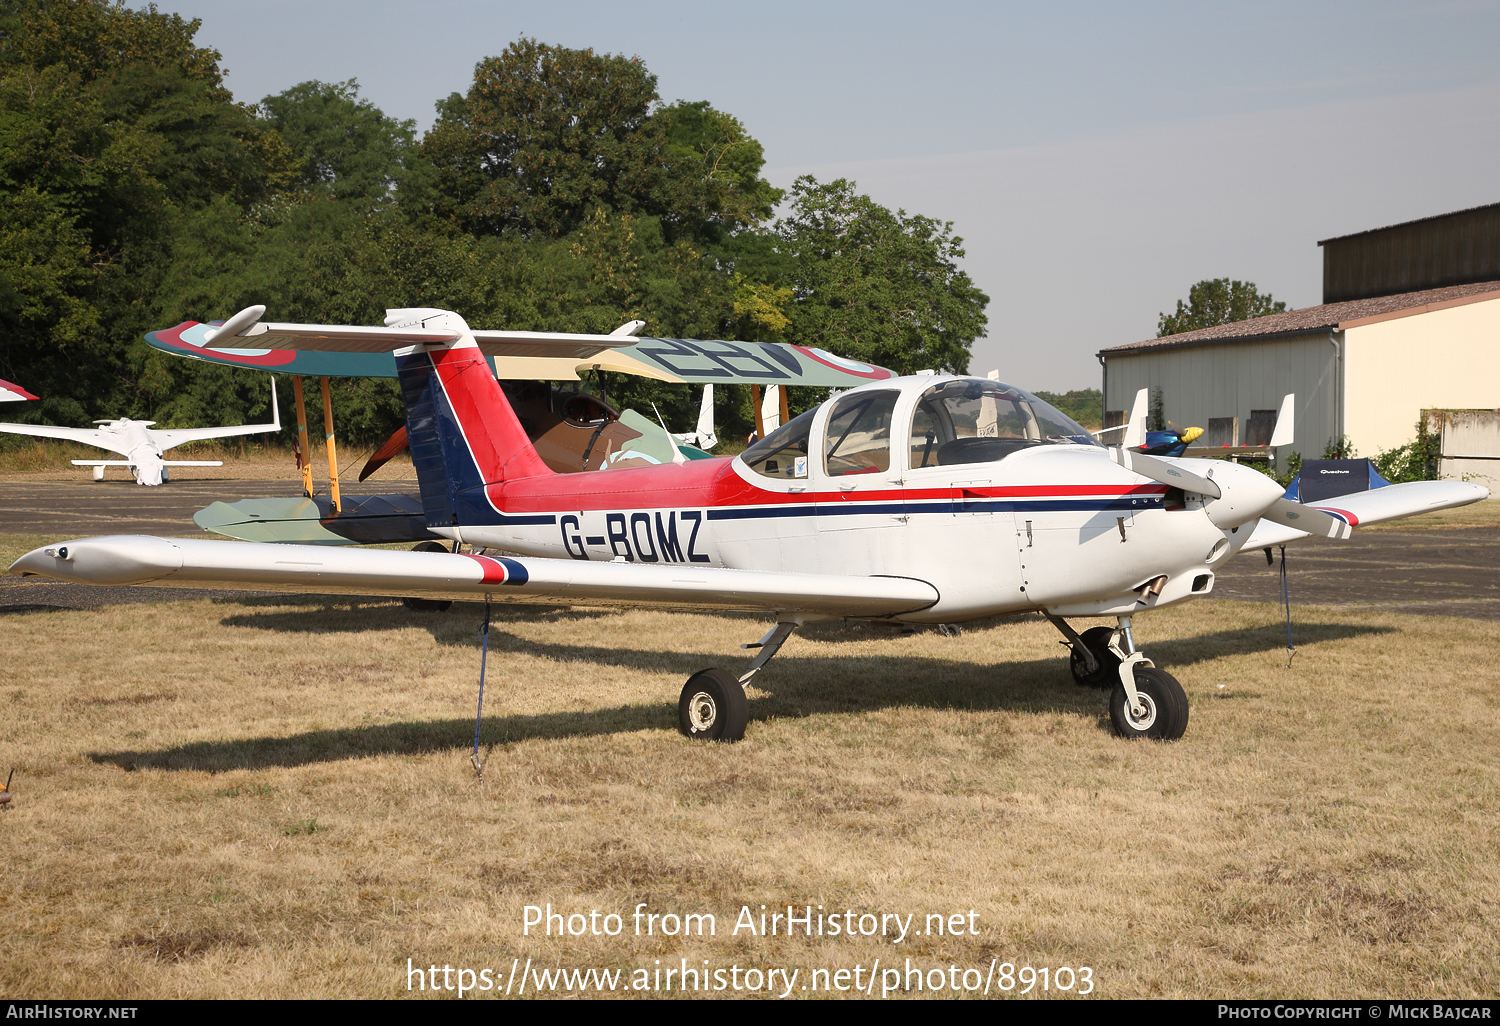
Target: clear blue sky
(1096, 158)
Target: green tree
(545, 135)
(713, 185)
(874, 285)
(114, 126)
(1217, 301)
(348, 147)
(1085, 405)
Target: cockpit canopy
(954, 421)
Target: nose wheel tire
(1165, 713)
(713, 706)
(1097, 640)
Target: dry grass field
(271, 797)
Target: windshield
(971, 421)
(782, 453)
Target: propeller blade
(1285, 421)
(1307, 518)
(393, 446)
(1164, 472)
(1135, 427)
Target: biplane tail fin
(464, 436)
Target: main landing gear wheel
(1166, 706)
(713, 706)
(1097, 640)
(422, 605)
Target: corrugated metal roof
(1403, 224)
(1314, 318)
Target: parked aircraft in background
(702, 437)
(10, 393)
(572, 429)
(924, 500)
(142, 446)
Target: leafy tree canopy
(349, 149)
(559, 193)
(874, 285)
(1217, 301)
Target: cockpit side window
(782, 453)
(973, 421)
(859, 434)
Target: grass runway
(270, 797)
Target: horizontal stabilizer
(196, 563)
(362, 520)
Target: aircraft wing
(665, 359)
(88, 436)
(199, 563)
(1360, 509)
(13, 393)
(177, 436)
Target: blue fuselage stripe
(835, 509)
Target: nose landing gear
(1144, 702)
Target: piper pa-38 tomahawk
(142, 446)
(921, 500)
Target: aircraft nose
(1248, 494)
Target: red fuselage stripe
(494, 570)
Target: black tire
(1166, 707)
(421, 605)
(1096, 639)
(713, 707)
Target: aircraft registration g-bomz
(918, 500)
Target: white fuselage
(1058, 527)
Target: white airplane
(930, 499)
(703, 436)
(140, 445)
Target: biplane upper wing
(354, 352)
(200, 563)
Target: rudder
(463, 434)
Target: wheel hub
(1148, 712)
(702, 712)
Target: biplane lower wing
(198, 563)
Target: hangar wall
(1229, 379)
(1436, 360)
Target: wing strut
(303, 454)
(760, 424)
(333, 457)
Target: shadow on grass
(800, 686)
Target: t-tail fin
(462, 431)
